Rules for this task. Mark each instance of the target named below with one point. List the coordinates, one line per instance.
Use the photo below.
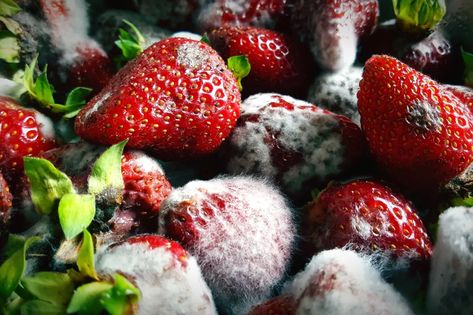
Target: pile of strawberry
(236, 157)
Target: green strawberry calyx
(419, 15)
(240, 67)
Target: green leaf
(13, 26)
(9, 47)
(9, 8)
(86, 299)
(468, 60)
(38, 307)
(121, 297)
(13, 268)
(107, 170)
(131, 44)
(53, 287)
(85, 260)
(240, 66)
(14, 243)
(420, 15)
(76, 212)
(48, 184)
(43, 90)
(205, 39)
(464, 202)
(78, 96)
(28, 76)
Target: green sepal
(85, 259)
(122, 296)
(468, 61)
(107, 170)
(462, 202)
(39, 307)
(76, 99)
(9, 7)
(9, 47)
(130, 44)
(12, 269)
(205, 39)
(240, 66)
(419, 15)
(13, 26)
(75, 212)
(13, 244)
(48, 184)
(86, 299)
(52, 287)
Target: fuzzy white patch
(97, 105)
(314, 134)
(451, 275)
(337, 54)
(187, 35)
(78, 157)
(45, 125)
(145, 162)
(11, 88)
(336, 91)
(166, 286)
(341, 282)
(243, 249)
(191, 55)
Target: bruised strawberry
(168, 278)
(177, 99)
(281, 305)
(227, 221)
(367, 216)
(419, 132)
(259, 13)
(293, 143)
(23, 132)
(278, 63)
(6, 199)
(333, 28)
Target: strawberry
(367, 216)
(146, 185)
(23, 132)
(278, 63)
(83, 62)
(167, 276)
(333, 28)
(403, 111)
(451, 272)
(342, 282)
(227, 221)
(176, 99)
(6, 199)
(281, 305)
(293, 143)
(464, 94)
(259, 13)
(336, 91)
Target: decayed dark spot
(424, 117)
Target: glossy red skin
(394, 227)
(176, 111)
(156, 241)
(419, 133)
(92, 68)
(259, 13)
(144, 191)
(278, 63)
(20, 135)
(6, 200)
(464, 94)
(281, 305)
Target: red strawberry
(260, 13)
(146, 186)
(293, 143)
(227, 221)
(176, 99)
(368, 216)
(419, 132)
(281, 305)
(82, 61)
(23, 132)
(464, 94)
(169, 279)
(6, 199)
(333, 28)
(278, 63)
